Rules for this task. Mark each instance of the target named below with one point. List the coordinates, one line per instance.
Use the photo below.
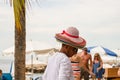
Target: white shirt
(58, 68)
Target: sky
(98, 21)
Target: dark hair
(0, 71)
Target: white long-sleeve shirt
(58, 68)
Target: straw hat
(71, 37)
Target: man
(0, 74)
(59, 65)
(86, 68)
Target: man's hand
(92, 74)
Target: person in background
(59, 65)
(75, 61)
(1, 76)
(118, 72)
(97, 66)
(85, 68)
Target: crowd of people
(87, 66)
(68, 64)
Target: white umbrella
(34, 62)
(109, 59)
(30, 47)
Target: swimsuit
(75, 68)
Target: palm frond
(18, 6)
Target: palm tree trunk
(20, 39)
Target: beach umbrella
(34, 62)
(31, 46)
(101, 50)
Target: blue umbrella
(107, 51)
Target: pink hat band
(71, 37)
(64, 32)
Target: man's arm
(91, 65)
(119, 72)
